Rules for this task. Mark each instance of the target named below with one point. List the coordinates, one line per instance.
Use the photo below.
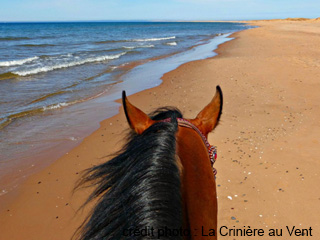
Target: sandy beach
(268, 139)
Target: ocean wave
(56, 106)
(129, 47)
(172, 43)
(146, 46)
(136, 40)
(67, 64)
(7, 75)
(65, 104)
(140, 46)
(36, 45)
(13, 38)
(4, 122)
(48, 95)
(111, 41)
(152, 39)
(8, 119)
(17, 62)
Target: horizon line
(144, 20)
(47, 21)
(140, 20)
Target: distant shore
(268, 140)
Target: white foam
(140, 46)
(17, 62)
(129, 47)
(68, 64)
(153, 39)
(56, 106)
(113, 67)
(147, 46)
(172, 43)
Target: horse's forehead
(189, 140)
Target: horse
(161, 185)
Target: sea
(58, 80)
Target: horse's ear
(208, 118)
(138, 120)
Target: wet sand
(268, 139)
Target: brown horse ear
(208, 118)
(138, 120)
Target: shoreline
(10, 183)
(271, 104)
(58, 103)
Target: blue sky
(70, 10)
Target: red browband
(212, 150)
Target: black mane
(139, 188)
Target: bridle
(212, 150)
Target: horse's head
(198, 189)
(206, 120)
(161, 179)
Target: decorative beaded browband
(212, 150)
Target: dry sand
(268, 140)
